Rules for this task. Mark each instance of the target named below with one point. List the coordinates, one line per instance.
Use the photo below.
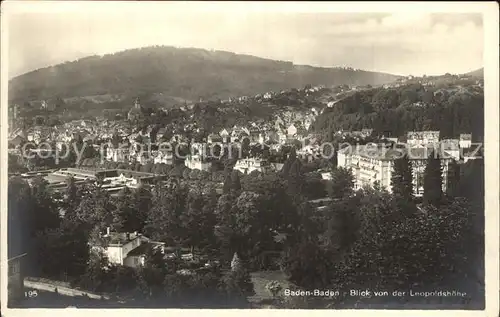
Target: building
(238, 135)
(163, 156)
(112, 179)
(136, 112)
(422, 138)
(118, 154)
(214, 138)
(198, 148)
(224, 134)
(127, 249)
(371, 165)
(465, 140)
(197, 162)
(292, 130)
(15, 284)
(450, 146)
(246, 166)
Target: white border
(491, 66)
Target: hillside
(177, 74)
(393, 112)
(477, 73)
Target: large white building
(127, 249)
(118, 154)
(422, 138)
(197, 162)
(246, 166)
(371, 165)
(163, 156)
(465, 140)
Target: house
(225, 135)
(450, 146)
(198, 148)
(282, 136)
(422, 138)
(276, 167)
(256, 136)
(160, 133)
(163, 156)
(374, 165)
(214, 138)
(465, 140)
(197, 162)
(326, 176)
(246, 166)
(279, 123)
(16, 141)
(118, 154)
(292, 130)
(309, 151)
(127, 249)
(238, 135)
(144, 157)
(366, 132)
(136, 112)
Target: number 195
(31, 294)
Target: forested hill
(477, 73)
(181, 73)
(452, 109)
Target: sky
(402, 43)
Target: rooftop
(390, 153)
(120, 238)
(144, 248)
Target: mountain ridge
(476, 73)
(188, 73)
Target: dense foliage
(393, 112)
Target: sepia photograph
(170, 156)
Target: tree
(292, 156)
(235, 181)
(19, 214)
(45, 214)
(95, 208)
(197, 222)
(245, 147)
(125, 214)
(307, 265)
(433, 180)
(163, 221)
(150, 277)
(94, 277)
(342, 183)
(296, 179)
(71, 199)
(453, 178)
(402, 178)
(232, 182)
(237, 283)
(63, 252)
(224, 228)
(226, 189)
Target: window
(13, 268)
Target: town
(227, 203)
